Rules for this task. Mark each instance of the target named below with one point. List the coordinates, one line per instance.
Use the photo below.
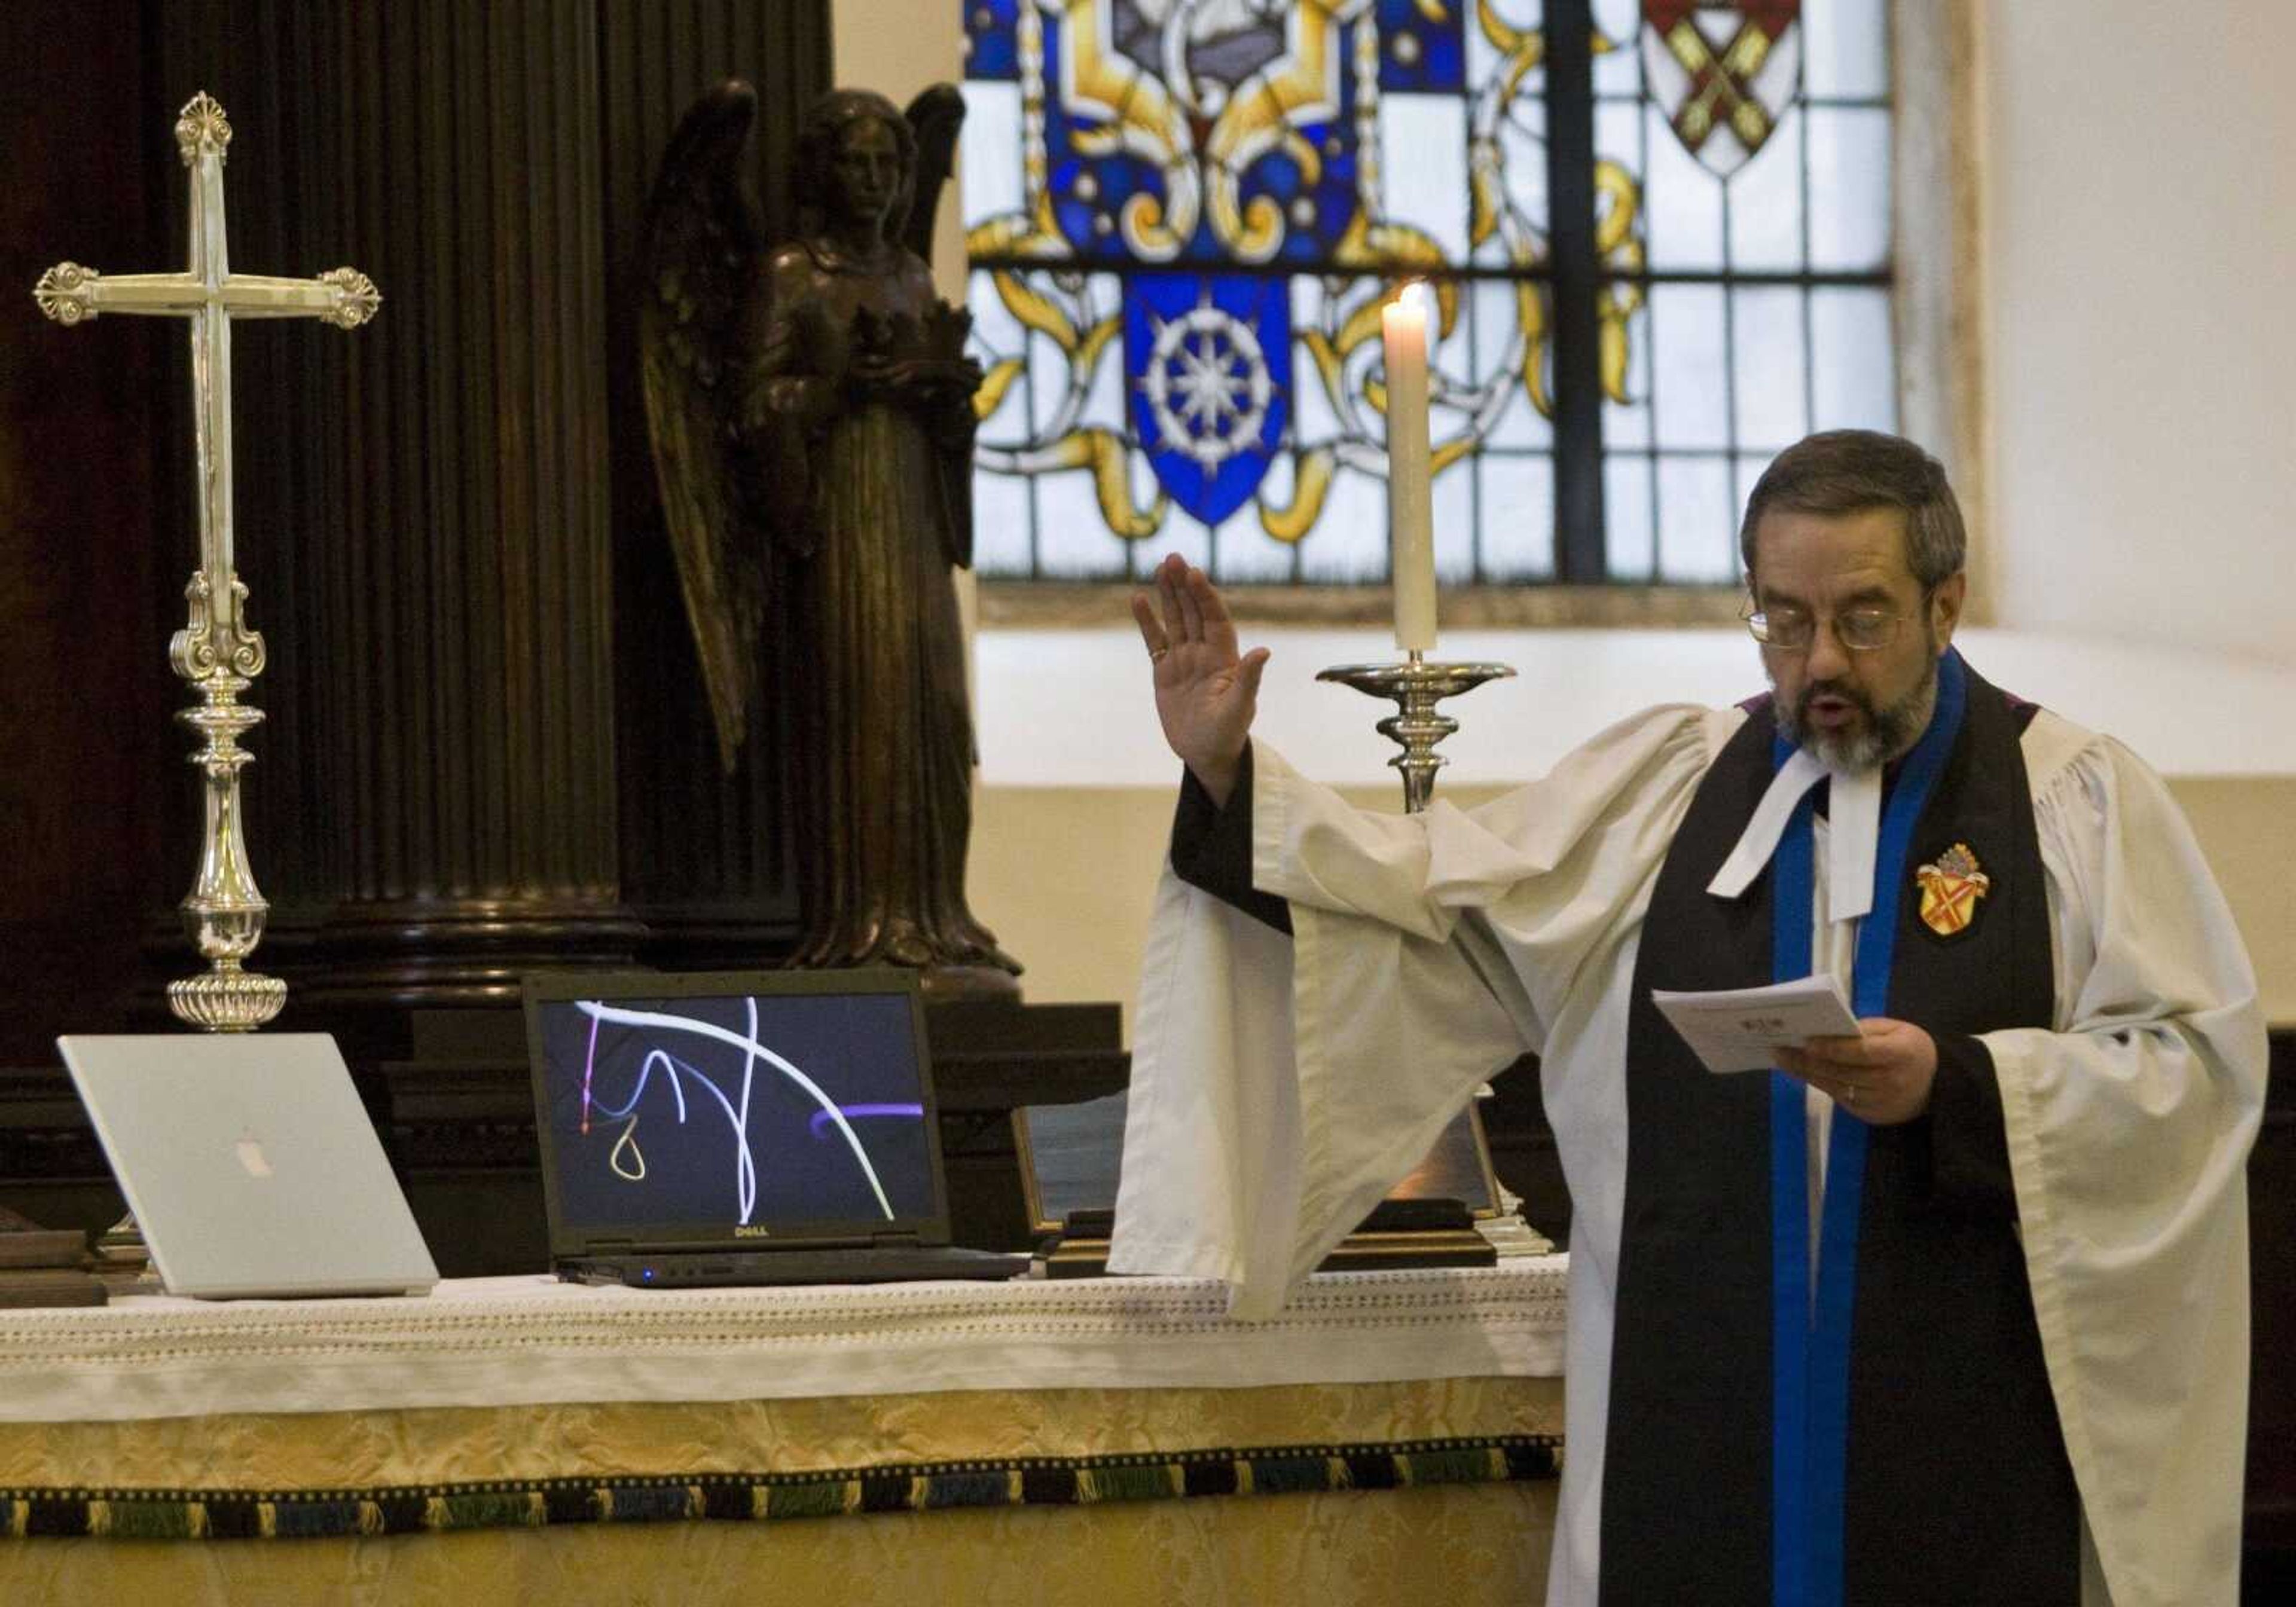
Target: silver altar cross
(216, 650)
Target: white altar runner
(532, 1340)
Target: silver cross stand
(216, 650)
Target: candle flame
(1417, 295)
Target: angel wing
(936, 115)
(699, 262)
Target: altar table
(1388, 1437)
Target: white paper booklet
(1737, 1029)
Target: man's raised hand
(1205, 693)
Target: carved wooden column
(704, 855)
(428, 515)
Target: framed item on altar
(1069, 1155)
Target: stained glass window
(1657, 232)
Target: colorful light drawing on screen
(818, 1123)
(626, 1160)
(628, 1163)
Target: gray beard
(1885, 734)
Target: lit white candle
(1410, 508)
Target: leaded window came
(1657, 233)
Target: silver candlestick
(1417, 686)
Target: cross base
(226, 999)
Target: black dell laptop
(760, 1128)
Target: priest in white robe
(1955, 1310)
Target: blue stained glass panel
(1420, 52)
(989, 51)
(1212, 354)
(1125, 149)
(1181, 241)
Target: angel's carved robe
(866, 464)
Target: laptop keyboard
(863, 1263)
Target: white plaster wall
(1071, 828)
(896, 47)
(1067, 875)
(2140, 221)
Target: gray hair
(1850, 471)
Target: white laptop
(249, 1163)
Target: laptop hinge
(896, 1240)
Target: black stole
(1956, 1486)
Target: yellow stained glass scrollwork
(1202, 138)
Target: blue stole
(1810, 1331)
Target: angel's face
(865, 173)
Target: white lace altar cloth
(530, 1341)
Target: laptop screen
(713, 1110)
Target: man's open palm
(1205, 691)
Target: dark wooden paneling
(704, 858)
(2271, 1568)
(87, 549)
(1523, 1150)
(485, 738)
(456, 604)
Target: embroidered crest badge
(1951, 887)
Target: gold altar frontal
(1131, 1490)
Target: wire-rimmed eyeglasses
(1793, 630)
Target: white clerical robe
(1279, 1085)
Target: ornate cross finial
(359, 298)
(202, 126)
(66, 293)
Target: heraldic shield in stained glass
(1212, 358)
(1183, 216)
(1722, 74)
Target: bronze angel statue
(811, 413)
